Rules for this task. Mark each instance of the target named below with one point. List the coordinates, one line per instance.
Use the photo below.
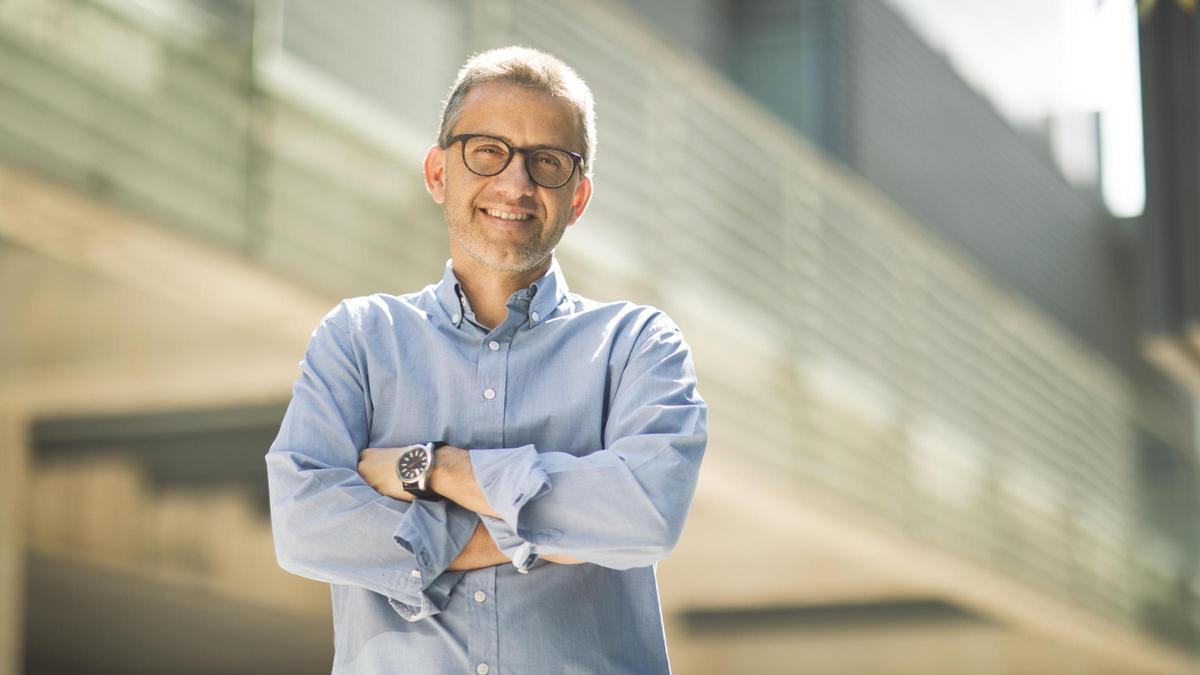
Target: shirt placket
(492, 384)
(483, 648)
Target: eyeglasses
(487, 156)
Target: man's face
(480, 210)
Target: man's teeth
(505, 215)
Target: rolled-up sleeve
(519, 551)
(623, 505)
(328, 524)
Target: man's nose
(515, 177)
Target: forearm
(481, 551)
(453, 478)
(600, 507)
(562, 559)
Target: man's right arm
(481, 551)
(328, 524)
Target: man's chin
(512, 262)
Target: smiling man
(486, 471)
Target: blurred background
(939, 261)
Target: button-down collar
(548, 293)
(449, 297)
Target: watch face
(412, 464)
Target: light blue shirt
(586, 434)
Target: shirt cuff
(522, 553)
(432, 600)
(509, 478)
(434, 533)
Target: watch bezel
(427, 450)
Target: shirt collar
(548, 292)
(447, 292)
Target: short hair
(528, 68)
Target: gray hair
(528, 68)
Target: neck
(488, 290)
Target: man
(487, 471)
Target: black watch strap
(427, 495)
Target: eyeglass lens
(488, 156)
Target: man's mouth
(506, 215)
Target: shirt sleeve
(624, 505)
(510, 543)
(329, 524)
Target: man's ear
(579, 201)
(435, 173)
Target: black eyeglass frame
(576, 158)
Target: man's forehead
(520, 115)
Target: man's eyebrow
(508, 140)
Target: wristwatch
(413, 467)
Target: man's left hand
(377, 466)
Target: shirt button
(535, 316)
(489, 393)
(480, 596)
(455, 318)
(482, 669)
(493, 345)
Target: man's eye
(490, 150)
(549, 160)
